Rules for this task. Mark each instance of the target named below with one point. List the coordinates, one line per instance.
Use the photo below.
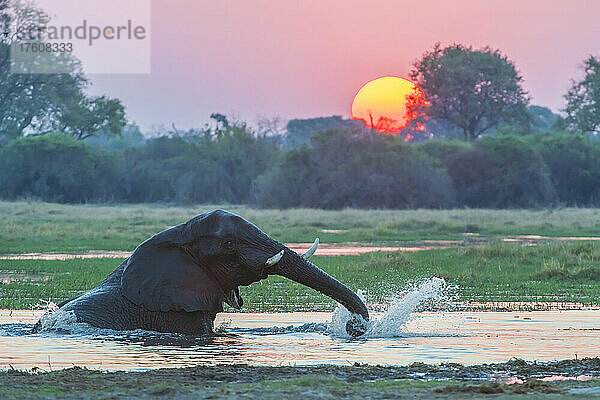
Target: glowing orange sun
(384, 104)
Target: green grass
(549, 272)
(66, 279)
(500, 272)
(44, 227)
(497, 272)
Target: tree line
(342, 167)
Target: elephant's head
(198, 265)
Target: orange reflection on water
(432, 337)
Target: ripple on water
(397, 336)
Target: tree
(275, 126)
(501, 172)
(44, 102)
(475, 90)
(348, 167)
(300, 131)
(214, 164)
(131, 136)
(59, 168)
(583, 99)
(574, 164)
(27, 100)
(544, 120)
(85, 117)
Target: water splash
(390, 324)
(398, 313)
(57, 323)
(56, 319)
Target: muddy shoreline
(417, 380)
(243, 373)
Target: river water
(398, 336)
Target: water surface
(308, 339)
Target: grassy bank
(446, 381)
(560, 271)
(43, 227)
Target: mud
(416, 380)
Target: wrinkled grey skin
(177, 280)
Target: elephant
(177, 280)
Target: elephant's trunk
(298, 269)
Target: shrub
(574, 163)
(501, 172)
(60, 168)
(354, 168)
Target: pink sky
(299, 59)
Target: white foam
(395, 317)
(56, 319)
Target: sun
(382, 104)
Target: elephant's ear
(162, 276)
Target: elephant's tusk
(309, 253)
(275, 259)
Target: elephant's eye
(228, 245)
